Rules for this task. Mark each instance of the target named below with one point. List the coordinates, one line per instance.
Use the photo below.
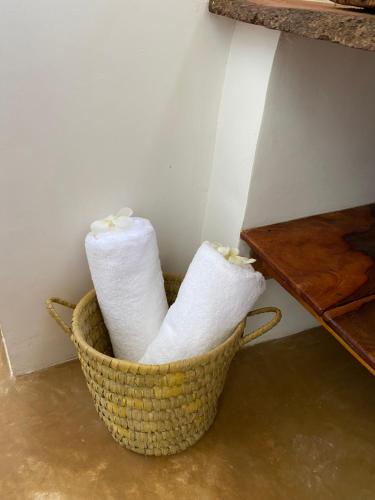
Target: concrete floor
(296, 422)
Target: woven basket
(152, 409)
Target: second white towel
(214, 297)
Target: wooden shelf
(347, 26)
(355, 324)
(327, 262)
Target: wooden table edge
(270, 273)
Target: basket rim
(135, 367)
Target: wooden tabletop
(326, 259)
(347, 26)
(355, 323)
(327, 262)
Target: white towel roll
(125, 269)
(214, 297)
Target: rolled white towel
(218, 291)
(125, 268)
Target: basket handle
(248, 337)
(50, 306)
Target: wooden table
(327, 262)
(347, 26)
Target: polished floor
(296, 422)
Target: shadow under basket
(152, 409)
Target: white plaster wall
(104, 103)
(109, 103)
(241, 110)
(315, 151)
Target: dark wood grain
(261, 266)
(365, 4)
(344, 25)
(355, 323)
(328, 260)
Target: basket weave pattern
(150, 409)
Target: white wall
(241, 110)
(110, 103)
(315, 151)
(104, 103)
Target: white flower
(122, 220)
(232, 255)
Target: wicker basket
(152, 409)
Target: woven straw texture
(151, 409)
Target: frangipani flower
(120, 221)
(232, 254)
